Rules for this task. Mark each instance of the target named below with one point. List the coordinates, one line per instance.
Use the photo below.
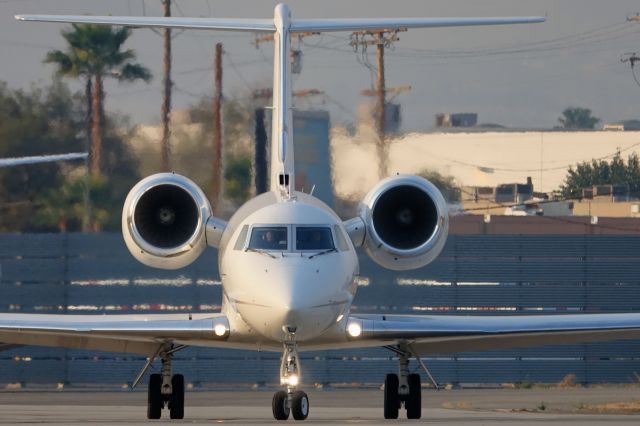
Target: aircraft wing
(139, 334)
(431, 334)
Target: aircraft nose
(295, 291)
(294, 297)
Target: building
(312, 159)
(459, 119)
(475, 158)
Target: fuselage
(287, 266)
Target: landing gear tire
(413, 403)
(391, 398)
(299, 405)
(279, 406)
(176, 400)
(155, 402)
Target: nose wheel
(280, 405)
(299, 405)
(292, 401)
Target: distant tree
(631, 124)
(237, 147)
(34, 122)
(577, 118)
(50, 197)
(446, 184)
(95, 52)
(237, 179)
(602, 172)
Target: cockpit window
(242, 238)
(269, 238)
(313, 238)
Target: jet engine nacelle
(165, 221)
(407, 222)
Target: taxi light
(354, 329)
(220, 330)
(293, 380)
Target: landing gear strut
(292, 400)
(165, 389)
(402, 389)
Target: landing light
(291, 380)
(354, 329)
(220, 330)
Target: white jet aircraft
(288, 263)
(38, 159)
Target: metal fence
(476, 274)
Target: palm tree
(95, 52)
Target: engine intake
(406, 221)
(166, 216)
(164, 221)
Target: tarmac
(327, 407)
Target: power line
(590, 38)
(237, 71)
(583, 42)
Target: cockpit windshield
(313, 238)
(269, 238)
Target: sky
(518, 76)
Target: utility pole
(381, 39)
(217, 128)
(632, 58)
(260, 155)
(381, 94)
(165, 112)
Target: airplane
(38, 159)
(288, 262)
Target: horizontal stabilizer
(297, 25)
(324, 25)
(160, 22)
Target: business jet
(38, 159)
(288, 263)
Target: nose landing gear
(292, 401)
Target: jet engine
(164, 221)
(407, 222)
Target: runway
(328, 407)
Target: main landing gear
(404, 389)
(292, 401)
(164, 389)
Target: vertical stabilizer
(282, 169)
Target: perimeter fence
(476, 274)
